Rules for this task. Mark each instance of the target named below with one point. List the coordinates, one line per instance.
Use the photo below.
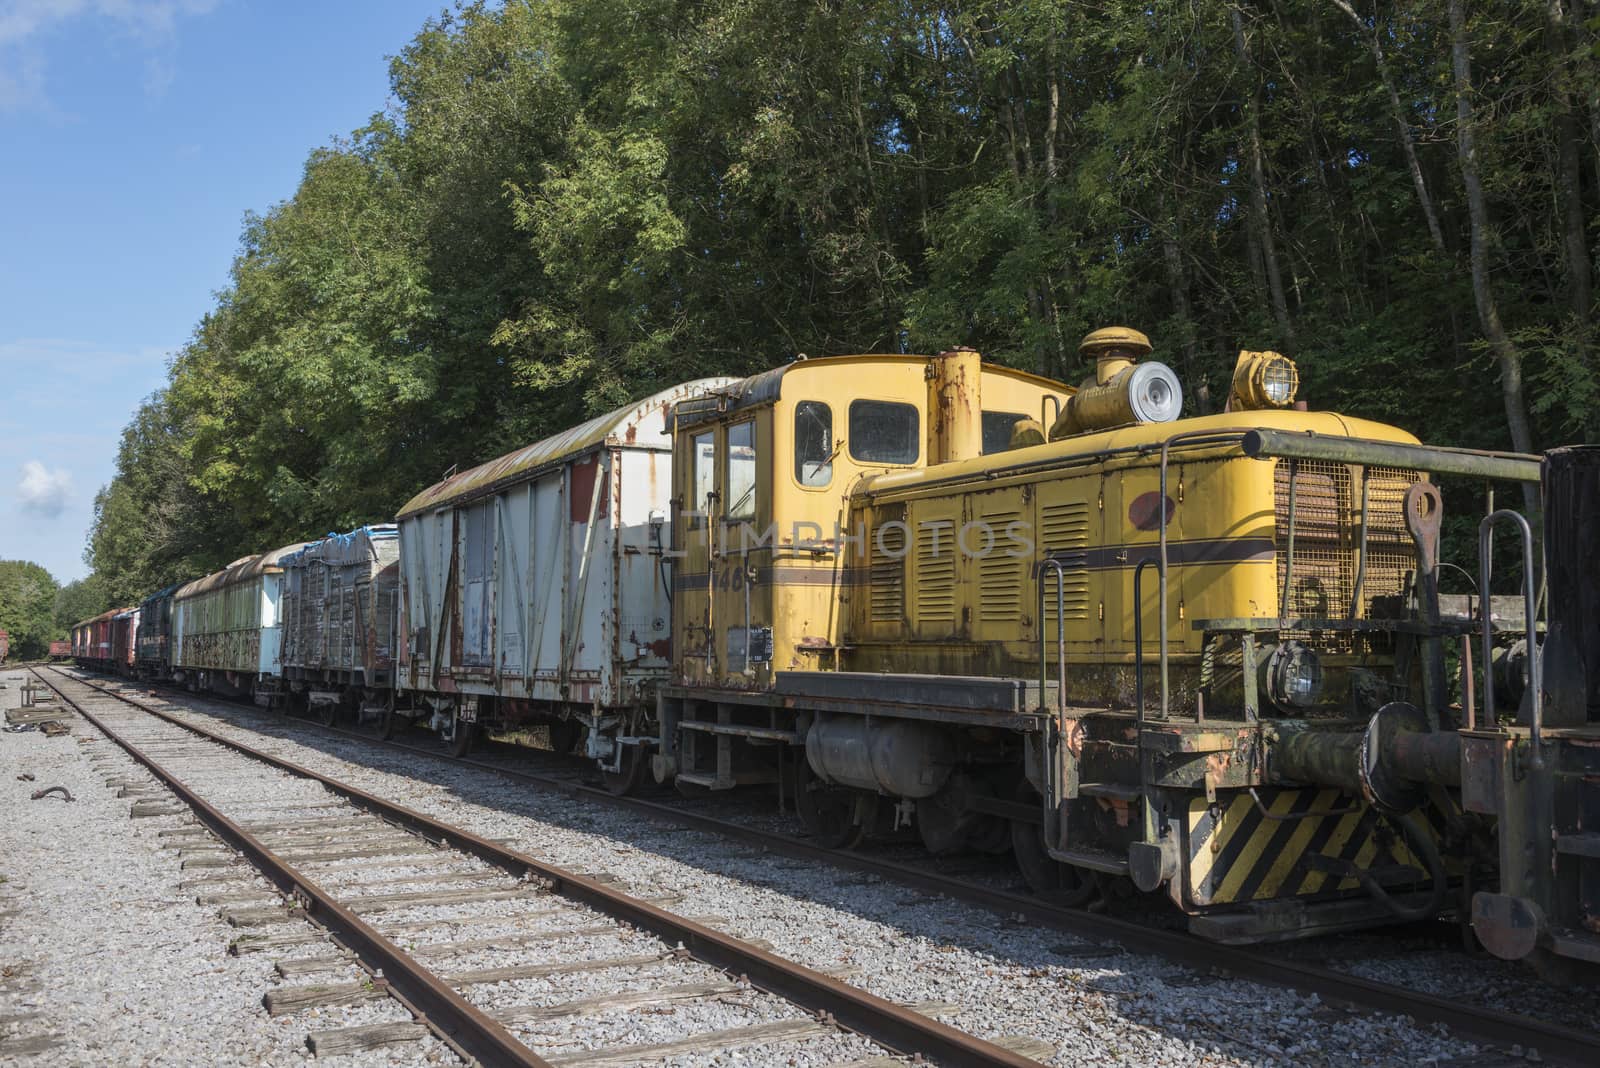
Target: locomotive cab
(763, 472)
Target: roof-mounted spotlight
(1264, 380)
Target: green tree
(27, 603)
(79, 600)
(570, 205)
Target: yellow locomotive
(1204, 654)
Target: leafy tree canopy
(573, 204)
(27, 604)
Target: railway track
(299, 829)
(1553, 1041)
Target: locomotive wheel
(1061, 883)
(828, 812)
(635, 763)
(462, 737)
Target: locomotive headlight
(1153, 392)
(1264, 380)
(1293, 677)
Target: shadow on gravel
(1187, 1004)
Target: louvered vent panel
(887, 573)
(1064, 536)
(936, 574)
(1000, 575)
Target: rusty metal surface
(899, 1027)
(1265, 443)
(628, 425)
(475, 1032)
(1571, 653)
(241, 570)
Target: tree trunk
(1178, 283)
(1574, 247)
(1402, 128)
(1478, 214)
(1260, 221)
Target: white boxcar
(225, 627)
(532, 588)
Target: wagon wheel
(635, 760)
(462, 736)
(563, 735)
(1049, 878)
(328, 713)
(828, 812)
(389, 723)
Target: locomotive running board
(1287, 919)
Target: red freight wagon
(124, 640)
(60, 650)
(94, 640)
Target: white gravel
(122, 965)
(1092, 1004)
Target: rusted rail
(462, 1025)
(1555, 1042)
(895, 1026)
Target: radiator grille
(1327, 541)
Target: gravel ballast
(1091, 1003)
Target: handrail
(1285, 594)
(1356, 588)
(1535, 668)
(1052, 733)
(1193, 437)
(1138, 641)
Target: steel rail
(457, 1020)
(1555, 1042)
(897, 1027)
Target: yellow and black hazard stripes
(1239, 851)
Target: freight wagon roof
(1140, 438)
(241, 570)
(102, 617)
(639, 425)
(159, 594)
(351, 547)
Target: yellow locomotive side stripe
(1255, 849)
(1286, 860)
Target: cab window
(703, 456)
(883, 432)
(741, 472)
(997, 427)
(813, 443)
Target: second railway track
(299, 830)
(1552, 1040)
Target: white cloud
(42, 491)
(152, 22)
(21, 19)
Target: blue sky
(134, 135)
